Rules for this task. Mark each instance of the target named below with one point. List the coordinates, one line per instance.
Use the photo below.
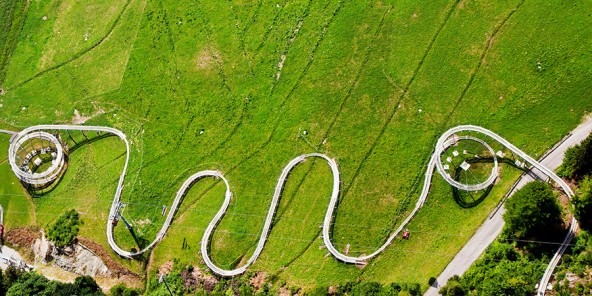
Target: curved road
(445, 141)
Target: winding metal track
(435, 164)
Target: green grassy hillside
(231, 85)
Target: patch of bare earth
(78, 118)
(81, 119)
(22, 238)
(258, 280)
(118, 270)
(165, 268)
(285, 292)
(206, 58)
(192, 278)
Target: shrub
(122, 290)
(583, 204)
(65, 229)
(533, 213)
(578, 160)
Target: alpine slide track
(42, 133)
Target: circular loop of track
(468, 187)
(48, 175)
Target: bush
(578, 160)
(583, 204)
(122, 290)
(366, 288)
(533, 213)
(453, 287)
(30, 283)
(65, 229)
(501, 271)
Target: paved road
(492, 227)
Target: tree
(86, 285)
(583, 204)
(453, 288)
(64, 231)
(533, 213)
(577, 162)
(366, 288)
(11, 275)
(122, 290)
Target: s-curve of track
(447, 139)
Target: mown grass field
(231, 86)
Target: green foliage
(453, 287)
(578, 261)
(65, 230)
(122, 290)
(583, 204)
(533, 213)
(366, 288)
(30, 283)
(10, 277)
(372, 288)
(86, 285)
(577, 162)
(500, 271)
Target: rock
(42, 250)
(74, 258)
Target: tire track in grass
(474, 73)
(278, 120)
(209, 33)
(222, 75)
(239, 123)
(77, 55)
(477, 68)
(356, 79)
(353, 86)
(243, 32)
(393, 112)
(293, 89)
(401, 97)
(9, 45)
(282, 104)
(268, 31)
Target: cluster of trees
(65, 230)
(578, 161)
(576, 261)
(370, 289)
(577, 166)
(502, 270)
(582, 203)
(533, 214)
(514, 265)
(18, 283)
